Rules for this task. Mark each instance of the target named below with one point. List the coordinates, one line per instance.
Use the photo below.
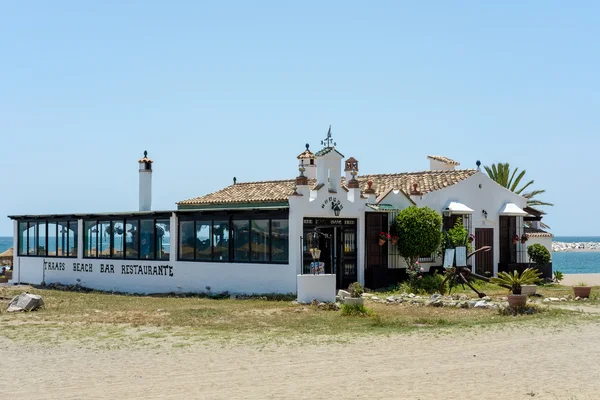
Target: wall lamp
(484, 213)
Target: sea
(566, 262)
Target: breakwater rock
(575, 246)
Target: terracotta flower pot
(381, 242)
(9, 275)
(515, 241)
(395, 241)
(517, 300)
(582, 291)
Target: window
(279, 240)
(260, 240)
(44, 238)
(163, 239)
(186, 240)
(72, 238)
(241, 241)
(204, 240)
(32, 239)
(254, 240)
(220, 240)
(117, 238)
(23, 238)
(147, 236)
(53, 239)
(129, 238)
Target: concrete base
(319, 287)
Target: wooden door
(484, 261)
(376, 264)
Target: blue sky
(222, 89)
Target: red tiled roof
(278, 191)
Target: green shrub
(429, 283)
(354, 310)
(355, 289)
(538, 254)
(420, 232)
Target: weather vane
(328, 140)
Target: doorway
(336, 238)
(484, 260)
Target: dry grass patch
(117, 320)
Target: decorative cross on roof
(328, 140)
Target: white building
(255, 237)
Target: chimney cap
(145, 159)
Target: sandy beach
(574, 279)
(548, 363)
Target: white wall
(180, 276)
(479, 193)
(306, 207)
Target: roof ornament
(328, 140)
(145, 154)
(234, 180)
(307, 146)
(478, 163)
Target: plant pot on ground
(356, 290)
(528, 290)
(514, 282)
(582, 290)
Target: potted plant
(540, 256)
(471, 238)
(515, 238)
(582, 290)
(356, 290)
(524, 238)
(514, 282)
(383, 237)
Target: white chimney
(145, 183)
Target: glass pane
(131, 238)
(203, 244)
(241, 240)
(90, 230)
(186, 240)
(163, 239)
(63, 238)
(104, 234)
(22, 238)
(72, 233)
(260, 240)
(41, 238)
(32, 233)
(147, 243)
(220, 240)
(117, 239)
(280, 240)
(52, 239)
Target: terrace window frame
(230, 217)
(37, 222)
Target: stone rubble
(582, 246)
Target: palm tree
(502, 175)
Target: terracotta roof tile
(306, 154)
(278, 191)
(532, 232)
(443, 159)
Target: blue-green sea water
(567, 262)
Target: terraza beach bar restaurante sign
(106, 268)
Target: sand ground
(574, 279)
(502, 363)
